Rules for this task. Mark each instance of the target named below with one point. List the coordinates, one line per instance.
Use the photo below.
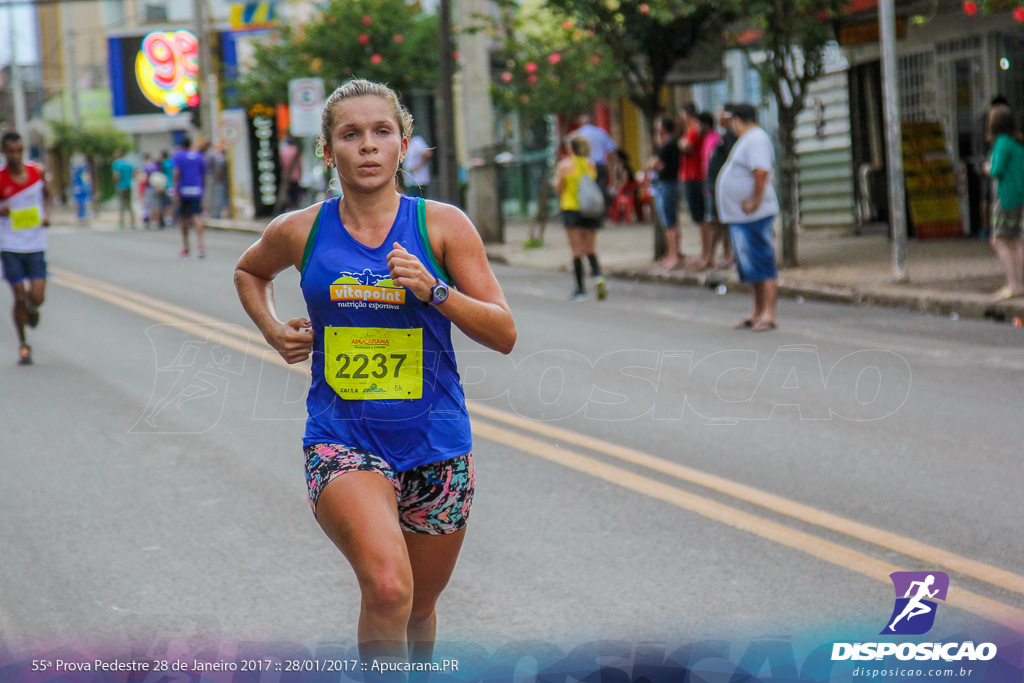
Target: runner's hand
(407, 271)
(293, 340)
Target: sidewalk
(947, 277)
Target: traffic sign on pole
(305, 103)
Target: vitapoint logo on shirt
(913, 614)
(366, 288)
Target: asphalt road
(644, 471)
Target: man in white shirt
(417, 167)
(748, 205)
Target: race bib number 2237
(374, 363)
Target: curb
(923, 301)
(232, 226)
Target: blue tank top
(384, 372)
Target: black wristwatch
(439, 292)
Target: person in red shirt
(692, 172)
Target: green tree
(646, 40)
(551, 66)
(794, 36)
(98, 145)
(391, 41)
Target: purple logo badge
(916, 592)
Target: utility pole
(71, 66)
(893, 139)
(483, 194)
(449, 166)
(207, 81)
(17, 89)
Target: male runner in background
(25, 203)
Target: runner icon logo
(916, 592)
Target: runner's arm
(281, 246)
(476, 304)
(561, 172)
(47, 197)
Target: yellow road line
(246, 342)
(232, 338)
(87, 284)
(928, 554)
(772, 531)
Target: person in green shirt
(123, 170)
(1007, 168)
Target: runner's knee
(388, 591)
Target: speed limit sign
(305, 102)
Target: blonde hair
(362, 88)
(580, 146)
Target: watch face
(440, 293)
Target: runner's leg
(200, 228)
(37, 291)
(359, 513)
(185, 220)
(20, 312)
(433, 560)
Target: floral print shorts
(432, 499)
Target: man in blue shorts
(748, 205)
(24, 213)
(189, 174)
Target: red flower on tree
(530, 68)
(376, 59)
(1018, 14)
(364, 39)
(971, 7)
(399, 38)
(554, 58)
(367, 20)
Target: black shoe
(33, 315)
(25, 355)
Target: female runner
(388, 449)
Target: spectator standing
(601, 147)
(81, 185)
(692, 174)
(1007, 169)
(291, 171)
(748, 205)
(416, 168)
(216, 179)
(665, 163)
(983, 153)
(716, 160)
(150, 199)
(123, 171)
(189, 176)
(167, 205)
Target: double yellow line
(251, 343)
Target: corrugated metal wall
(824, 153)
